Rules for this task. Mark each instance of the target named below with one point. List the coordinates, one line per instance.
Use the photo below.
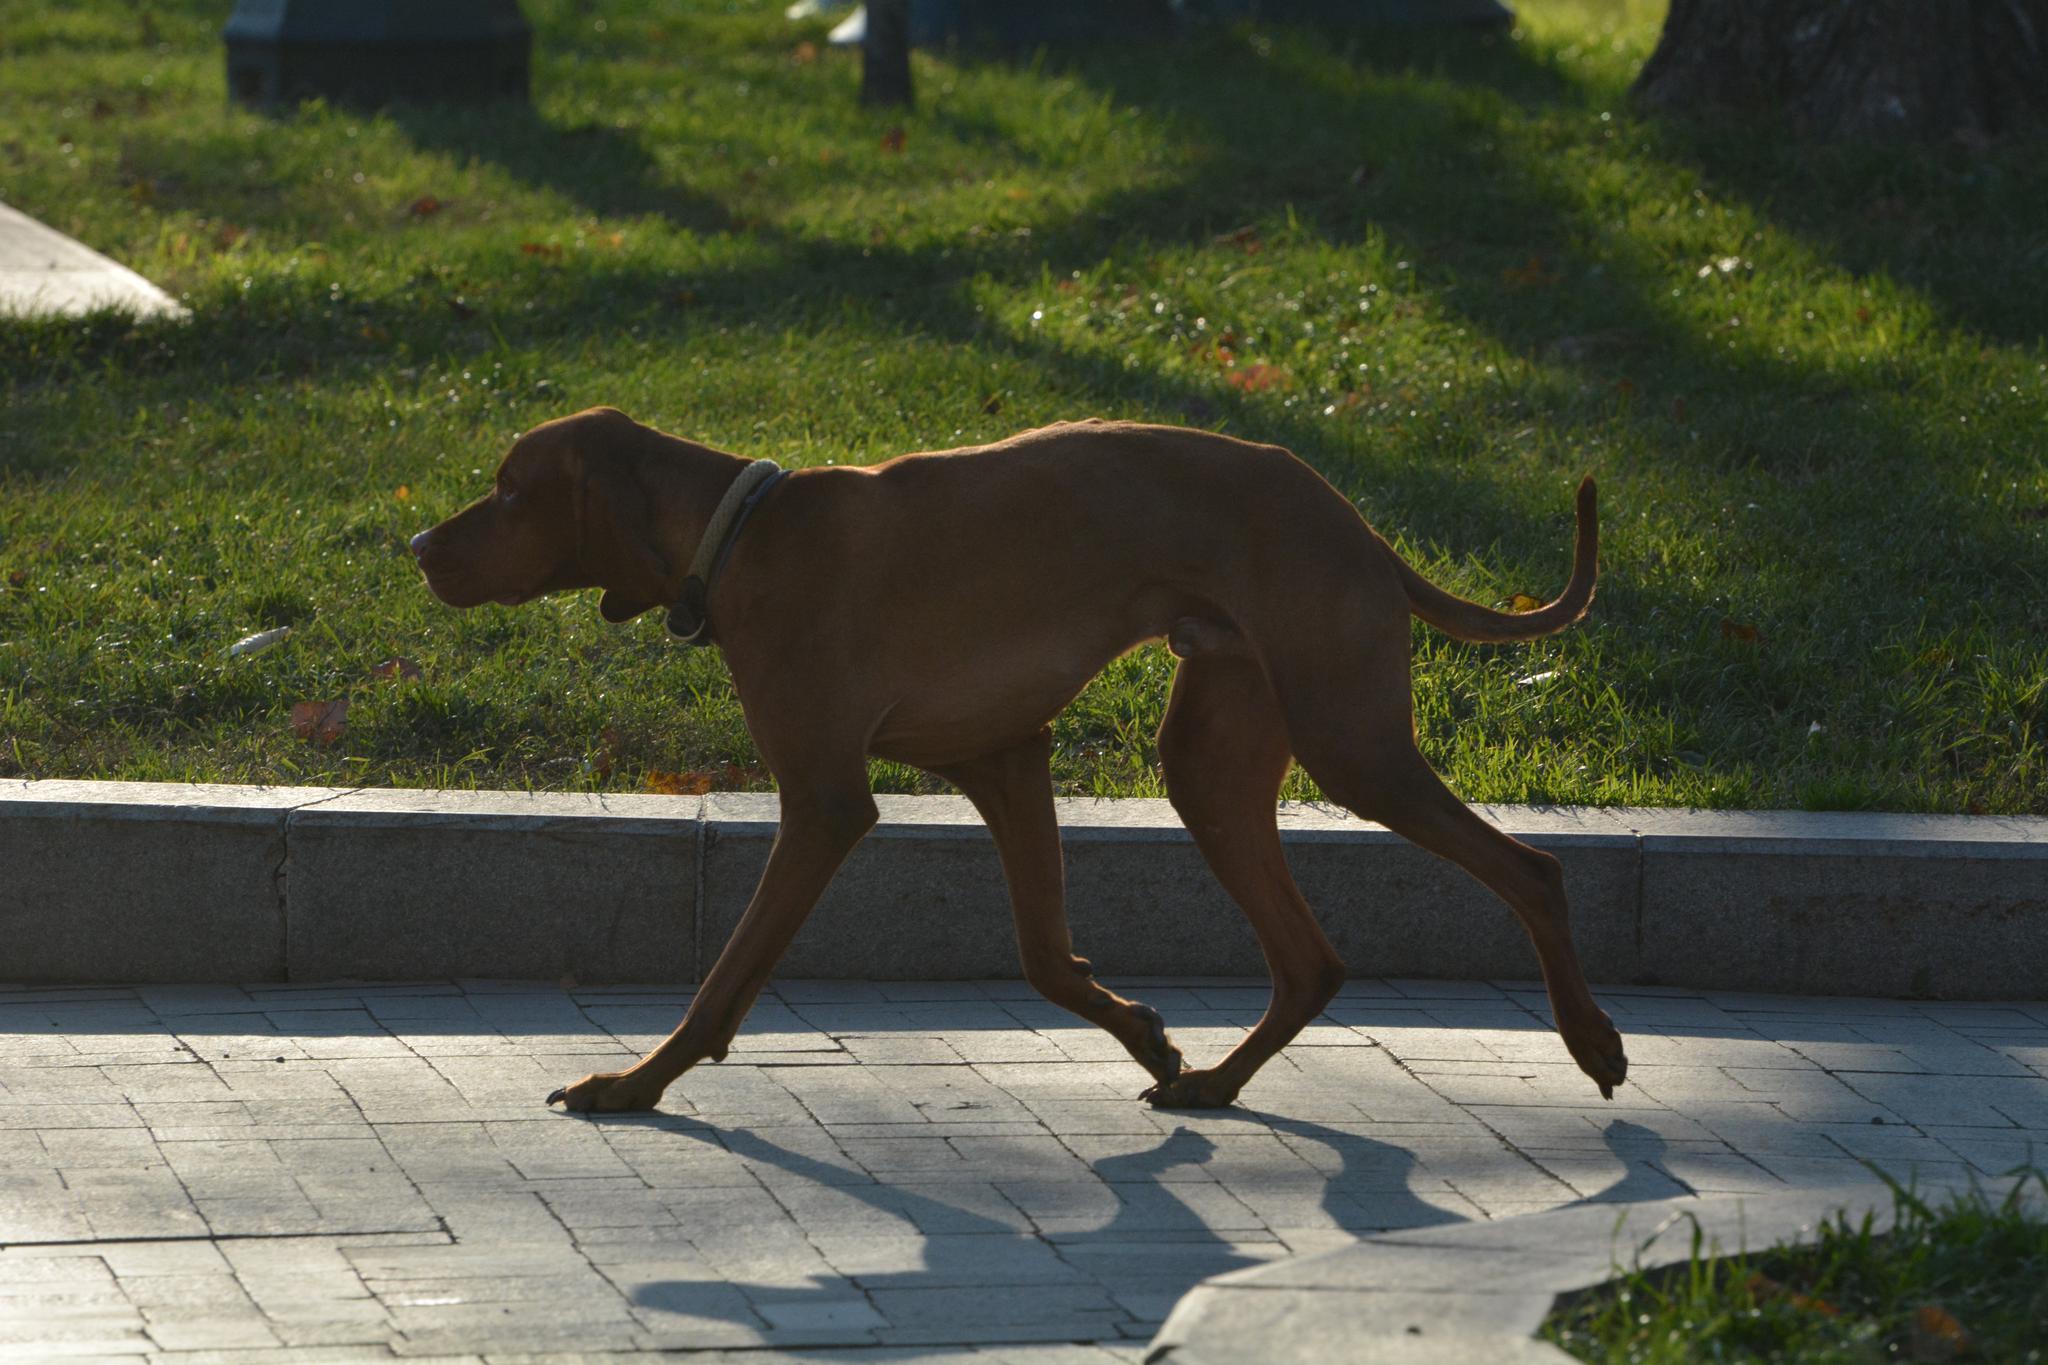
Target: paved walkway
(879, 1171)
(43, 272)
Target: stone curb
(148, 882)
(1479, 1291)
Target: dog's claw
(1606, 1091)
(559, 1094)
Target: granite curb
(1479, 1291)
(160, 882)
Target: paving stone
(974, 1169)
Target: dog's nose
(419, 544)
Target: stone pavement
(879, 1171)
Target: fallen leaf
(892, 141)
(1863, 315)
(1245, 239)
(17, 577)
(228, 235)
(1258, 377)
(606, 756)
(1534, 273)
(399, 669)
(426, 206)
(804, 54)
(372, 332)
(1521, 601)
(1739, 632)
(550, 250)
(678, 784)
(322, 722)
(1938, 1321)
(403, 493)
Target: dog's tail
(1483, 625)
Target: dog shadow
(1171, 1227)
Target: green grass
(1964, 1280)
(1812, 381)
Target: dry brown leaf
(322, 722)
(426, 206)
(1534, 273)
(1258, 377)
(1741, 632)
(893, 140)
(804, 53)
(678, 784)
(1521, 601)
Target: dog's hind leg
(1225, 754)
(1356, 737)
(1013, 791)
(821, 822)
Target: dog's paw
(607, 1092)
(1599, 1052)
(1154, 1050)
(1191, 1090)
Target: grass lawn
(1965, 1279)
(1452, 272)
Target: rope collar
(687, 617)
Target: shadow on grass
(604, 170)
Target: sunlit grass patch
(1961, 1279)
(1453, 272)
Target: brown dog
(940, 609)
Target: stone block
(1845, 902)
(923, 894)
(143, 881)
(387, 885)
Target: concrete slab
(1478, 1291)
(144, 881)
(44, 273)
(387, 885)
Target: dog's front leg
(819, 828)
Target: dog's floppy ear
(615, 542)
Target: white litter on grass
(257, 643)
(1535, 678)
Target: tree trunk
(885, 54)
(1857, 68)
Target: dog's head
(568, 510)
